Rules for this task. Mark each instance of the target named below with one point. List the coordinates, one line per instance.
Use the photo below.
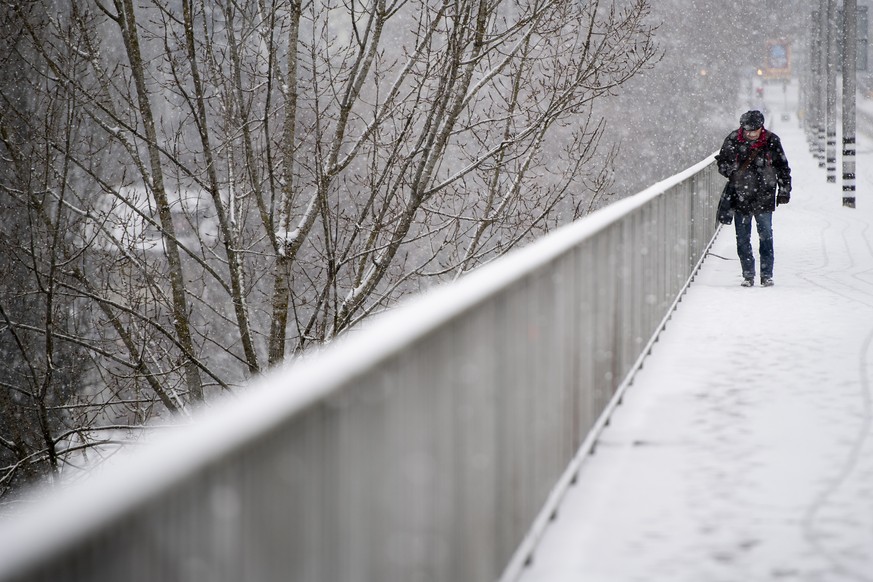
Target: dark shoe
(766, 282)
(747, 283)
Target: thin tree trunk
(284, 258)
(228, 232)
(177, 281)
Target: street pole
(813, 82)
(850, 50)
(831, 116)
(820, 84)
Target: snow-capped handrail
(422, 445)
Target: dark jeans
(743, 225)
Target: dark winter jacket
(755, 171)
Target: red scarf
(759, 143)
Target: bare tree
(218, 185)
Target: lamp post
(831, 92)
(850, 55)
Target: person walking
(759, 179)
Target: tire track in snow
(849, 467)
(847, 281)
(835, 276)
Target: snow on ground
(743, 451)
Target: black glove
(784, 197)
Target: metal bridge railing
(421, 447)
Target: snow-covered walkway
(743, 450)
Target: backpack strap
(750, 159)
